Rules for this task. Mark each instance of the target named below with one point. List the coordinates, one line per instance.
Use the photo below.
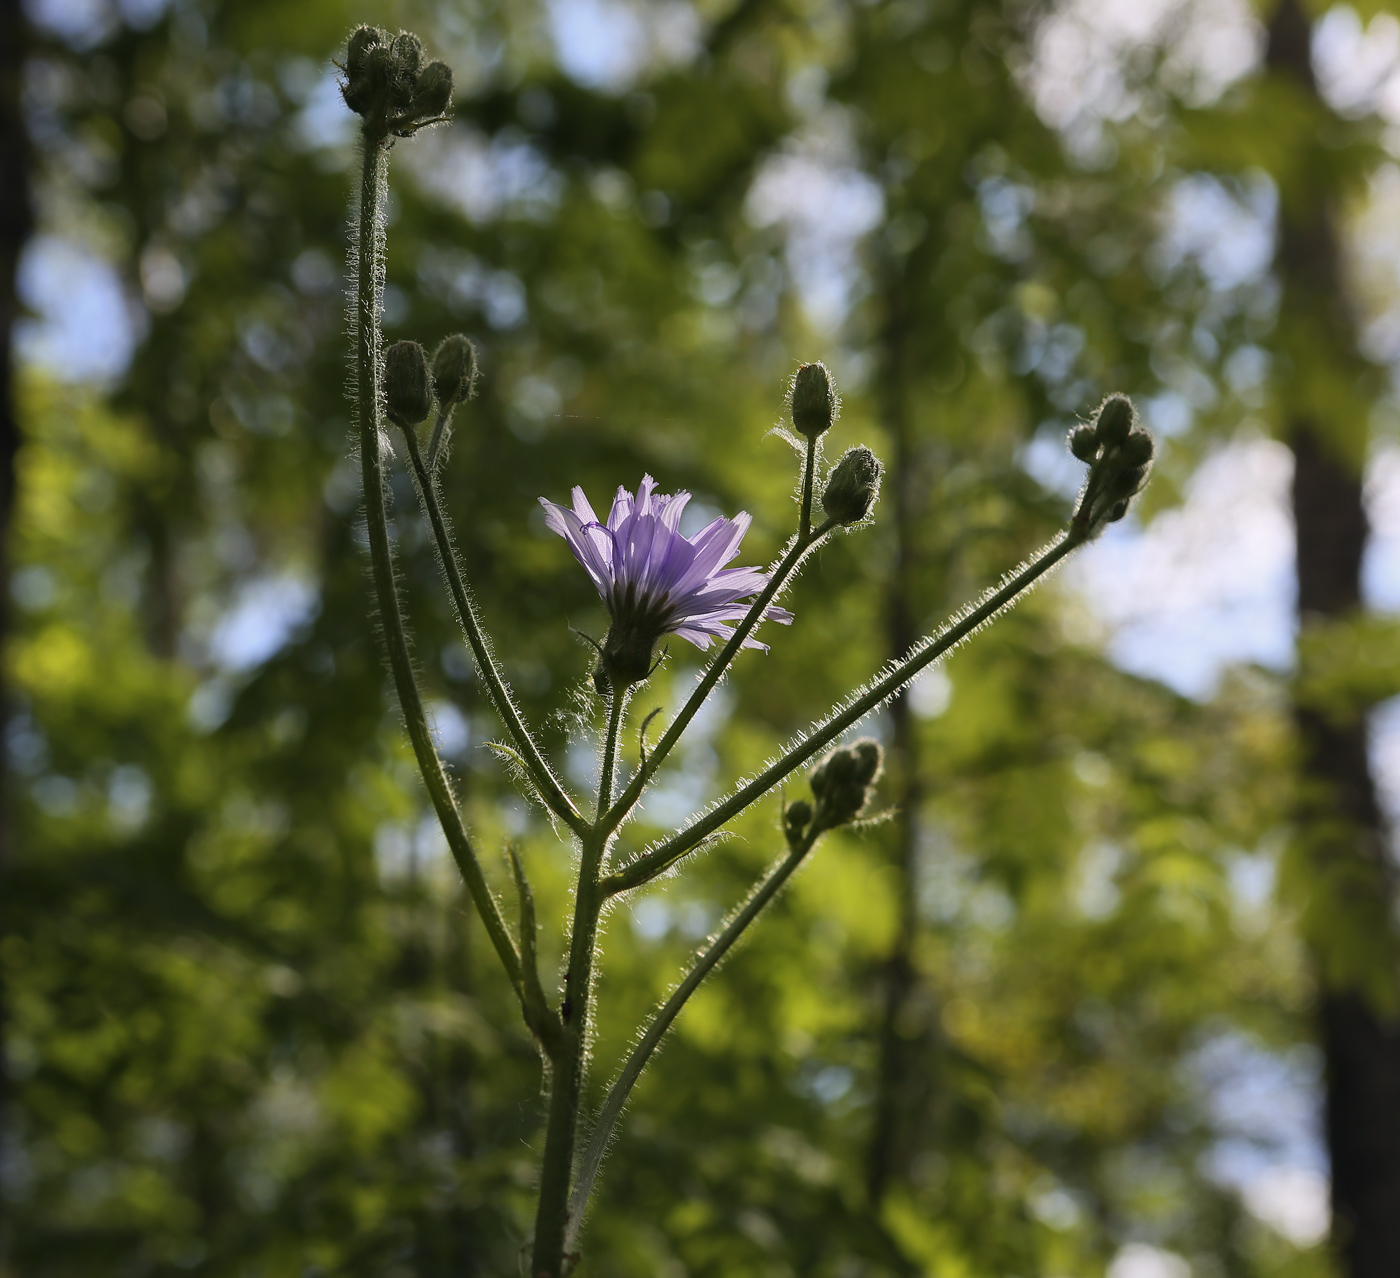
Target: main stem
(566, 1089)
(705, 961)
(369, 272)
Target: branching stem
(570, 1062)
(658, 859)
(705, 960)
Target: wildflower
(655, 581)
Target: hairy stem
(444, 420)
(369, 286)
(570, 1062)
(809, 470)
(654, 862)
(548, 785)
(705, 961)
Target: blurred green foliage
(254, 1029)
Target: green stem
(444, 420)
(570, 1063)
(650, 864)
(706, 959)
(616, 703)
(548, 785)
(804, 521)
(369, 358)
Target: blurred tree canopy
(252, 1026)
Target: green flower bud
(815, 403)
(361, 42)
(1116, 417)
(406, 389)
(1137, 449)
(796, 818)
(454, 367)
(434, 95)
(1117, 512)
(842, 782)
(853, 486)
(407, 51)
(1084, 443)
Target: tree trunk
(1340, 823)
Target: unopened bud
(796, 819)
(815, 403)
(366, 75)
(361, 42)
(407, 51)
(406, 383)
(454, 368)
(853, 486)
(1137, 449)
(1115, 419)
(434, 93)
(842, 782)
(1084, 443)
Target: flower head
(656, 581)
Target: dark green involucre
(454, 370)
(406, 390)
(853, 486)
(815, 403)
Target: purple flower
(655, 581)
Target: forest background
(1116, 991)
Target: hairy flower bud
(815, 403)
(1084, 443)
(434, 93)
(853, 486)
(1137, 449)
(407, 51)
(454, 369)
(366, 75)
(842, 782)
(1116, 417)
(406, 383)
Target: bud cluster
(388, 85)
(410, 387)
(1119, 453)
(842, 784)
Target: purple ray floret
(651, 576)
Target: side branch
(548, 785)
(705, 961)
(656, 861)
